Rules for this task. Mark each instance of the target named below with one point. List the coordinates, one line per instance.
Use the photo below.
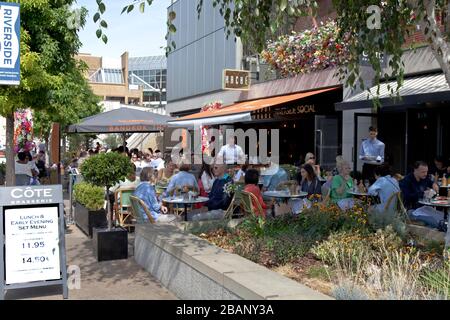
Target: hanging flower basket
(312, 50)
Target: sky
(141, 34)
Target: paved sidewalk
(120, 279)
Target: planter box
(87, 219)
(110, 244)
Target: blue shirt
(181, 179)
(384, 188)
(218, 198)
(413, 190)
(146, 192)
(272, 182)
(373, 148)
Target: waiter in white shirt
(231, 153)
(372, 153)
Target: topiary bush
(106, 170)
(90, 196)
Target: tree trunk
(434, 36)
(10, 166)
(441, 51)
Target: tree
(47, 60)
(68, 104)
(372, 27)
(106, 170)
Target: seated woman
(340, 185)
(309, 182)
(146, 192)
(310, 159)
(251, 185)
(384, 187)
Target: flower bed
(348, 255)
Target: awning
(415, 90)
(240, 117)
(122, 119)
(241, 111)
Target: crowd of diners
(338, 186)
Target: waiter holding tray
(372, 154)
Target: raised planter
(87, 219)
(192, 268)
(110, 244)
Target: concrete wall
(192, 268)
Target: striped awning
(415, 90)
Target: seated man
(273, 176)
(384, 187)
(181, 179)
(415, 184)
(218, 198)
(414, 187)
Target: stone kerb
(192, 268)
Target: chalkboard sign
(32, 224)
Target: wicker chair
(136, 205)
(123, 206)
(249, 200)
(398, 206)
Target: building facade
(108, 78)
(151, 74)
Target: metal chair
(398, 206)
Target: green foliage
(106, 169)
(439, 280)
(92, 197)
(380, 220)
(349, 246)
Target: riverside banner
(9, 43)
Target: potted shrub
(105, 170)
(89, 207)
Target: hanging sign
(9, 43)
(236, 79)
(33, 249)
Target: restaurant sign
(236, 79)
(289, 111)
(32, 242)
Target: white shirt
(232, 154)
(207, 181)
(157, 164)
(23, 168)
(238, 175)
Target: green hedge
(90, 196)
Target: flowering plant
(23, 131)
(230, 188)
(309, 51)
(204, 129)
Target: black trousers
(368, 172)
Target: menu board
(32, 244)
